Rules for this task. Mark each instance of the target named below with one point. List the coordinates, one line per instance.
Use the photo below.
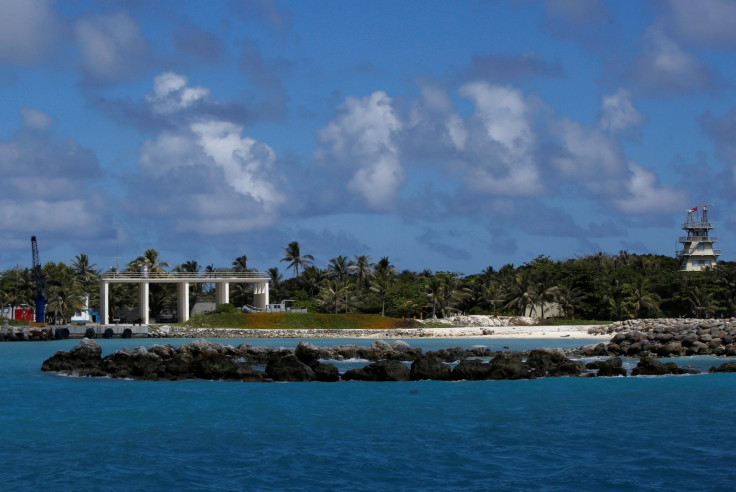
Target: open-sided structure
(144, 278)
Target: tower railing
(184, 275)
(696, 252)
(686, 239)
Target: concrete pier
(222, 281)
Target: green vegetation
(595, 287)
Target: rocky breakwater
(396, 361)
(672, 337)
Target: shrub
(226, 308)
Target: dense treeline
(599, 286)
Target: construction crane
(40, 280)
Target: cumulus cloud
(723, 133)
(663, 67)
(588, 157)
(49, 184)
(646, 197)
(207, 176)
(113, 47)
(618, 114)
(499, 158)
(360, 142)
(708, 23)
(171, 94)
(35, 119)
(28, 29)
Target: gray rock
(430, 367)
(385, 370)
(289, 368)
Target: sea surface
(646, 433)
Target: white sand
(577, 332)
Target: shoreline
(577, 332)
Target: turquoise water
(65, 433)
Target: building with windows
(697, 251)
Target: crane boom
(40, 280)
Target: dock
(60, 332)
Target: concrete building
(144, 278)
(697, 251)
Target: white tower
(697, 250)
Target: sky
(447, 136)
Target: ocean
(646, 433)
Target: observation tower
(697, 251)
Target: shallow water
(665, 433)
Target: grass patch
(292, 321)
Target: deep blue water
(66, 433)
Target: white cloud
(664, 67)
(247, 164)
(618, 114)
(705, 22)
(171, 94)
(645, 197)
(75, 215)
(499, 156)
(361, 140)
(208, 177)
(35, 119)
(589, 157)
(49, 184)
(27, 29)
(113, 47)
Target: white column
(183, 302)
(260, 294)
(143, 302)
(104, 305)
(222, 292)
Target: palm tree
(362, 265)
(450, 292)
(240, 264)
(569, 299)
(292, 254)
(338, 267)
(383, 272)
(702, 302)
(190, 266)
(332, 293)
(65, 296)
(494, 295)
(276, 277)
(383, 267)
(434, 290)
(523, 293)
(84, 272)
(311, 280)
(643, 298)
(381, 285)
(149, 258)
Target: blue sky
(444, 135)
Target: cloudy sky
(444, 135)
